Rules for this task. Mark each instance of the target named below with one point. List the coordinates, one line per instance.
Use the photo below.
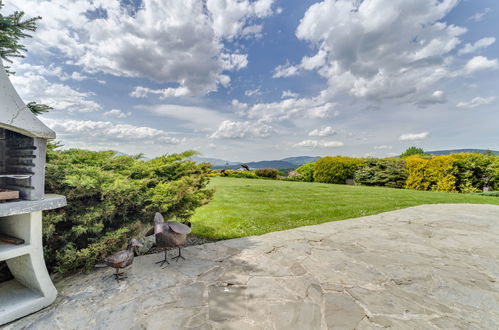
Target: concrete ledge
(51, 201)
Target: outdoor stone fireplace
(23, 139)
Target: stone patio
(426, 267)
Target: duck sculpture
(169, 234)
(122, 259)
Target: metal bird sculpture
(169, 234)
(122, 259)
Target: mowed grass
(245, 207)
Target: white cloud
(290, 108)
(242, 129)
(229, 17)
(288, 93)
(198, 118)
(105, 131)
(117, 113)
(480, 63)
(319, 144)
(141, 92)
(414, 136)
(163, 40)
(33, 87)
(437, 97)
(476, 102)
(286, 70)
(479, 45)
(480, 15)
(379, 49)
(324, 131)
(254, 31)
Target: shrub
(382, 172)
(109, 199)
(437, 173)
(475, 171)
(307, 172)
(412, 151)
(492, 173)
(240, 174)
(336, 169)
(270, 173)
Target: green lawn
(245, 207)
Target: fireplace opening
(22, 166)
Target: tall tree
(14, 28)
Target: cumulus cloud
(379, 49)
(479, 45)
(414, 136)
(285, 70)
(230, 17)
(480, 63)
(95, 131)
(324, 131)
(476, 102)
(198, 118)
(141, 92)
(242, 129)
(288, 93)
(310, 108)
(162, 40)
(117, 113)
(319, 144)
(31, 86)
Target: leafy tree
(412, 151)
(14, 28)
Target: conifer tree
(14, 28)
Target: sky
(248, 80)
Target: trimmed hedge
(240, 174)
(307, 172)
(336, 169)
(388, 172)
(465, 172)
(270, 173)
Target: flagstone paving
(425, 267)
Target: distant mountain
(215, 161)
(301, 160)
(457, 151)
(289, 163)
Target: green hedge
(382, 172)
(240, 174)
(270, 173)
(336, 169)
(307, 172)
(109, 200)
(465, 172)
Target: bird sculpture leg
(119, 276)
(162, 262)
(179, 255)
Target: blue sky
(250, 80)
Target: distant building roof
(15, 116)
